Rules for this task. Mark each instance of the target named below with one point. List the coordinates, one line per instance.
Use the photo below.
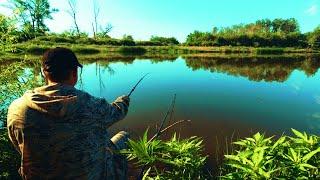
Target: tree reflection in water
(264, 68)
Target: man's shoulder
(16, 108)
(17, 103)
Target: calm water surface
(219, 99)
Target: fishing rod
(134, 87)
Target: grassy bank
(33, 48)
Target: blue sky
(143, 18)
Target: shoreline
(28, 48)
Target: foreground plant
(264, 158)
(172, 159)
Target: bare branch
(72, 12)
(169, 127)
(96, 11)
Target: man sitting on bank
(61, 132)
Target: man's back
(61, 132)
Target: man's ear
(75, 73)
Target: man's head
(60, 66)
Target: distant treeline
(262, 33)
(126, 40)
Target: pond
(225, 97)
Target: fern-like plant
(172, 159)
(264, 158)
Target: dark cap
(58, 59)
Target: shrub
(10, 89)
(9, 158)
(148, 43)
(164, 40)
(182, 159)
(264, 158)
(36, 50)
(85, 40)
(132, 50)
(56, 39)
(80, 50)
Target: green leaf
(310, 155)
(264, 174)
(241, 143)
(145, 175)
(298, 134)
(257, 136)
(278, 142)
(307, 166)
(232, 157)
(293, 155)
(243, 167)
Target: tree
(276, 24)
(290, 25)
(72, 12)
(104, 32)
(285, 25)
(314, 38)
(127, 40)
(198, 38)
(34, 12)
(96, 11)
(8, 33)
(265, 24)
(164, 40)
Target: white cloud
(313, 10)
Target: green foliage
(148, 43)
(104, 32)
(262, 33)
(164, 41)
(15, 79)
(288, 157)
(128, 50)
(83, 50)
(33, 12)
(127, 40)
(36, 50)
(314, 38)
(172, 159)
(8, 33)
(9, 158)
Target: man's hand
(125, 99)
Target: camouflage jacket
(61, 132)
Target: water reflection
(261, 68)
(272, 68)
